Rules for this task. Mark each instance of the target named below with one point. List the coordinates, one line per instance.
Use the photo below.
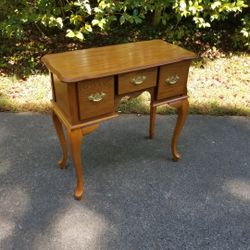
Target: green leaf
(88, 8)
(70, 33)
(95, 22)
(137, 19)
(215, 5)
(88, 27)
(79, 35)
(59, 22)
(122, 20)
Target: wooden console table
(88, 84)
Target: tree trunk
(157, 16)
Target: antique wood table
(88, 84)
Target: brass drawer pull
(138, 80)
(97, 97)
(172, 79)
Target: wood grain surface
(93, 63)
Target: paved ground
(136, 197)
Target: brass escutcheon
(172, 79)
(138, 80)
(97, 97)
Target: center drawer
(95, 97)
(137, 80)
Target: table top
(78, 65)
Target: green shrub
(78, 18)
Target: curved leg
(60, 134)
(75, 138)
(182, 108)
(152, 122)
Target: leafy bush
(79, 18)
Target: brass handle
(138, 80)
(97, 97)
(172, 79)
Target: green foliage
(241, 38)
(79, 18)
(204, 13)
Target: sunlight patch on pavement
(239, 188)
(14, 204)
(4, 166)
(7, 226)
(77, 228)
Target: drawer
(137, 80)
(173, 80)
(95, 97)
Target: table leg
(182, 108)
(75, 138)
(61, 137)
(152, 121)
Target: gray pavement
(135, 196)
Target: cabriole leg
(61, 137)
(75, 138)
(182, 108)
(152, 122)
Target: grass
(216, 87)
(33, 94)
(221, 86)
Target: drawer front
(96, 97)
(173, 80)
(134, 81)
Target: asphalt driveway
(135, 196)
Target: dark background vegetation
(30, 29)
